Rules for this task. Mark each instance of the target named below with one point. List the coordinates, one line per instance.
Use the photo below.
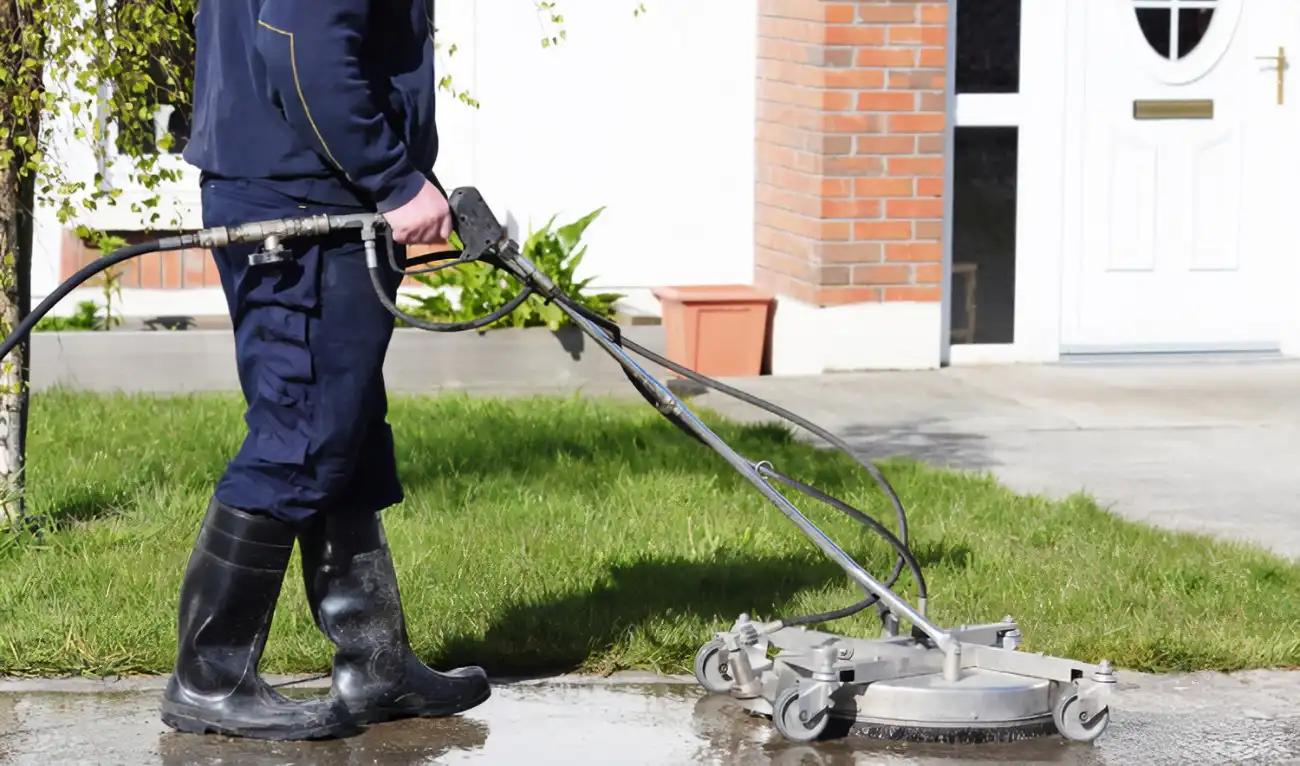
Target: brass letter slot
(1173, 109)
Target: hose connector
(282, 228)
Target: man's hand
(425, 220)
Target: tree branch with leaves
(100, 65)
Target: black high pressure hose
(24, 327)
(423, 324)
(905, 558)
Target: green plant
(86, 317)
(90, 315)
(483, 289)
(111, 285)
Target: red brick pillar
(850, 164)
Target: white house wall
(651, 116)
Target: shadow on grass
(82, 505)
(941, 555)
(76, 505)
(501, 444)
(186, 443)
(628, 616)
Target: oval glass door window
(1173, 28)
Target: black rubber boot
(352, 589)
(227, 601)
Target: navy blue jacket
(336, 96)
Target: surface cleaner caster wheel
(1073, 723)
(710, 670)
(785, 716)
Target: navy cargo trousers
(310, 342)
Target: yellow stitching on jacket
(293, 62)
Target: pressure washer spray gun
(952, 685)
(482, 238)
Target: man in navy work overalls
(306, 107)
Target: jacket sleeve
(311, 49)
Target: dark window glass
(1155, 23)
(1192, 26)
(1161, 32)
(988, 46)
(984, 235)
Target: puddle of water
(600, 724)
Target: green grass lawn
(567, 534)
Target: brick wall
(850, 154)
(185, 269)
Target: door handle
(1280, 67)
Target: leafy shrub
(89, 315)
(86, 317)
(484, 289)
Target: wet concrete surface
(1200, 719)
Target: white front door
(1186, 224)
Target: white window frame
(1037, 110)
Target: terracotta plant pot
(716, 330)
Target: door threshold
(1173, 357)
(973, 354)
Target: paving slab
(1198, 719)
(1201, 447)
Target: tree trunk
(17, 207)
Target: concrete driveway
(1205, 447)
